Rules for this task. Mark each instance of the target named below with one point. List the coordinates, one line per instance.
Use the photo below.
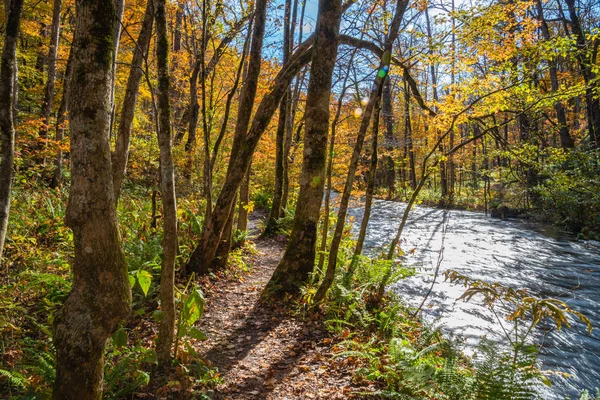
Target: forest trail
(261, 351)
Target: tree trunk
(100, 296)
(299, 257)
(390, 142)
(7, 129)
(374, 98)
(362, 234)
(282, 133)
(589, 76)
(52, 55)
(242, 223)
(121, 154)
(201, 259)
(410, 153)
(61, 122)
(119, 9)
(167, 188)
(566, 141)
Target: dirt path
(261, 352)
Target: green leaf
(158, 315)
(546, 381)
(119, 338)
(144, 278)
(131, 280)
(151, 358)
(193, 307)
(196, 333)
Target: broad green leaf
(158, 315)
(144, 279)
(196, 333)
(119, 338)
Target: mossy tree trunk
(167, 188)
(100, 296)
(8, 67)
(299, 257)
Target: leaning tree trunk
(100, 296)
(52, 54)
(362, 234)
(167, 188)
(121, 154)
(7, 129)
(374, 98)
(299, 257)
(202, 258)
(282, 130)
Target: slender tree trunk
(282, 133)
(52, 55)
(566, 141)
(202, 257)
(390, 142)
(7, 130)
(121, 154)
(207, 174)
(589, 76)
(443, 172)
(299, 257)
(100, 296)
(167, 188)
(61, 122)
(242, 223)
(408, 138)
(362, 234)
(119, 8)
(374, 98)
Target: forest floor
(264, 352)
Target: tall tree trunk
(121, 154)
(242, 222)
(282, 133)
(589, 76)
(51, 77)
(167, 188)
(207, 173)
(362, 234)
(410, 153)
(100, 296)
(201, 259)
(7, 129)
(299, 257)
(374, 98)
(443, 172)
(119, 9)
(566, 141)
(61, 121)
(390, 142)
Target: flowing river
(520, 254)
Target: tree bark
(7, 129)
(51, 76)
(282, 133)
(201, 259)
(374, 98)
(121, 154)
(61, 122)
(299, 257)
(242, 222)
(390, 143)
(100, 296)
(589, 76)
(566, 141)
(167, 188)
(362, 234)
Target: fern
(14, 378)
